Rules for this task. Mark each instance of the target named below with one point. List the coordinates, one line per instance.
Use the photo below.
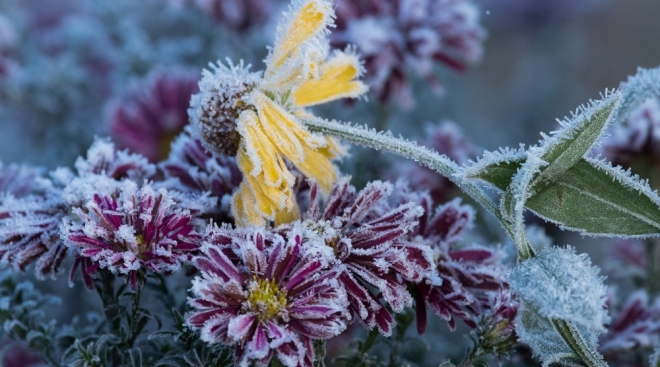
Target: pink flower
(134, 229)
(149, 116)
(367, 235)
(398, 36)
(266, 294)
(31, 210)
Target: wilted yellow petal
(317, 166)
(336, 81)
(288, 215)
(261, 152)
(244, 208)
(282, 128)
(311, 19)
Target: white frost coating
(654, 360)
(561, 284)
(637, 89)
(490, 159)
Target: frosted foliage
(654, 360)
(561, 284)
(214, 109)
(538, 332)
(638, 88)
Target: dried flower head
(267, 295)
(152, 113)
(265, 110)
(135, 229)
(402, 35)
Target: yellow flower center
(266, 298)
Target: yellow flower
(256, 116)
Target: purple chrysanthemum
(266, 294)
(197, 170)
(635, 327)
(366, 234)
(136, 228)
(155, 111)
(31, 210)
(465, 271)
(397, 36)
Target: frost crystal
(267, 295)
(367, 234)
(132, 230)
(560, 284)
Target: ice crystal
(148, 117)
(561, 284)
(396, 37)
(267, 295)
(135, 229)
(367, 235)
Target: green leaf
(596, 199)
(570, 144)
(498, 174)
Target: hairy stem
(578, 345)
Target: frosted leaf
(561, 284)
(654, 359)
(496, 168)
(638, 88)
(537, 331)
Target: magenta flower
(635, 327)
(267, 295)
(104, 159)
(195, 169)
(153, 113)
(135, 229)
(31, 210)
(366, 234)
(465, 272)
(395, 37)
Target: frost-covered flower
(367, 235)
(239, 15)
(196, 169)
(465, 271)
(636, 326)
(267, 295)
(495, 332)
(152, 113)
(445, 138)
(396, 37)
(562, 285)
(137, 228)
(256, 117)
(31, 209)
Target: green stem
(387, 142)
(370, 341)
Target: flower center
(218, 104)
(266, 298)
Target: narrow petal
(336, 81)
(262, 153)
(240, 325)
(308, 21)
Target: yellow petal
(336, 82)
(333, 149)
(317, 166)
(244, 208)
(288, 215)
(267, 200)
(311, 19)
(283, 129)
(263, 155)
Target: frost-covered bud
(562, 285)
(214, 110)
